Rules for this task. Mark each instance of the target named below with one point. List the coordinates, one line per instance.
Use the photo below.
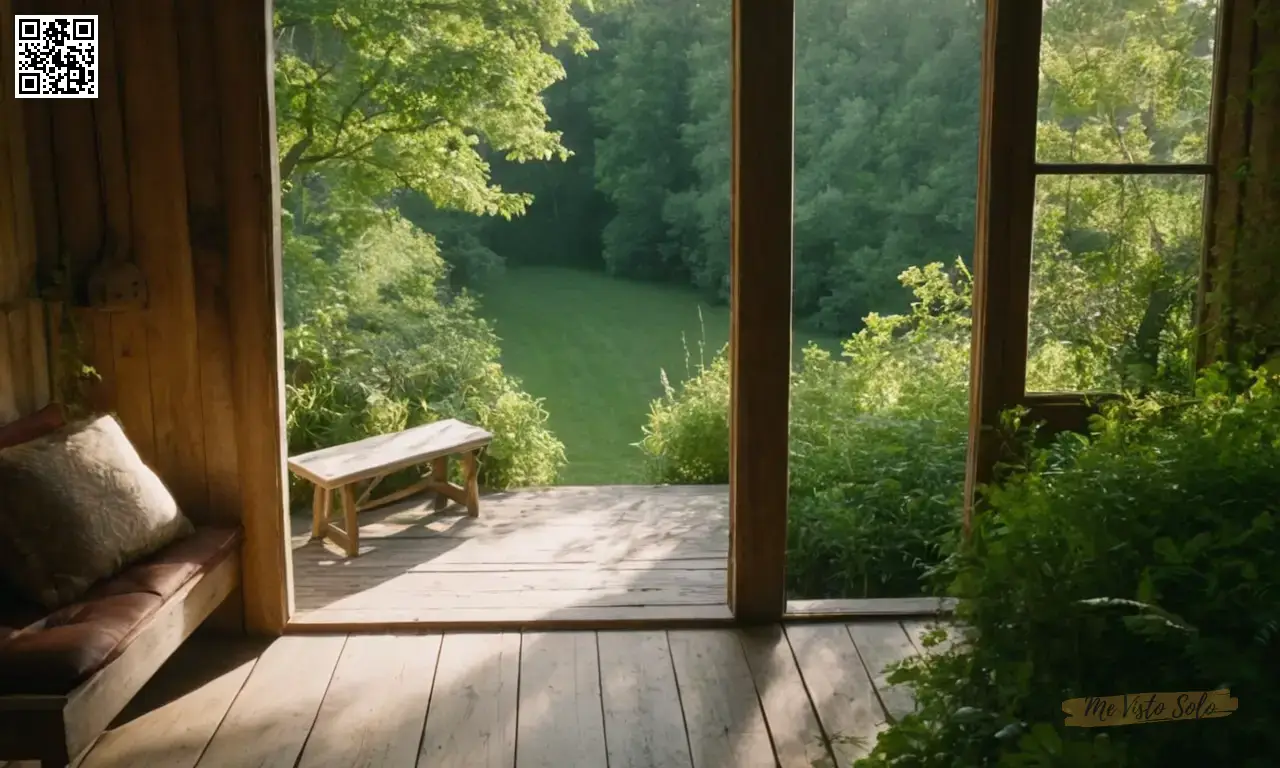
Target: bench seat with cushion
(73, 654)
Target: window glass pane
(886, 143)
(1126, 81)
(1113, 282)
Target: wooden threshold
(883, 607)
(511, 620)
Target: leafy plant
(877, 444)
(1141, 558)
(377, 345)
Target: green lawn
(592, 348)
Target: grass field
(592, 347)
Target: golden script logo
(1134, 708)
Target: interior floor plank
(375, 727)
(643, 721)
(881, 644)
(471, 722)
(271, 718)
(793, 725)
(722, 712)
(700, 698)
(561, 722)
(171, 721)
(841, 691)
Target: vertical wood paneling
(207, 216)
(119, 346)
(23, 369)
(146, 50)
(75, 160)
(251, 180)
(760, 320)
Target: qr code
(57, 57)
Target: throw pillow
(38, 424)
(77, 506)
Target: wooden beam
(760, 283)
(1228, 151)
(242, 49)
(1002, 243)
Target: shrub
(877, 444)
(1142, 558)
(375, 344)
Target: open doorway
(517, 220)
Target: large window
(1096, 170)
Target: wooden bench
(343, 467)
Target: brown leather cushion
(48, 419)
(56, 652)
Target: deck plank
(793, 725)
(643, 722)
(382, 727)
(839, 688)
(173, 718)
(881, 644)
(531, 551)
(722, 714)
(269, 721)
(561, 722)
(916, 629)
(471, 722)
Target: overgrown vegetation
(878, 441)
(1143, 558)
(378, 99)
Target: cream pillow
(76, 506)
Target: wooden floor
(798, 697)
(563, 553)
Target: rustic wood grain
(147, 52)
(841, 691)
(251, 200)
(881, 644)
(561, 723)
(793, 724)
(643, 722)
(272, 717)
(356, 727)
(472, 719)
(722, 713)
(1004, 223)
(207, 227)
(760, 244)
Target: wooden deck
(571, 554)
(798, 697)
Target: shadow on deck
(567, 553)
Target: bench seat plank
(382, 454)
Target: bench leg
(320, 512)
(349, 513)
(440, 474)
(471, 468)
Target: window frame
(761, 278)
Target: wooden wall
(171, 168)
(24, 361)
